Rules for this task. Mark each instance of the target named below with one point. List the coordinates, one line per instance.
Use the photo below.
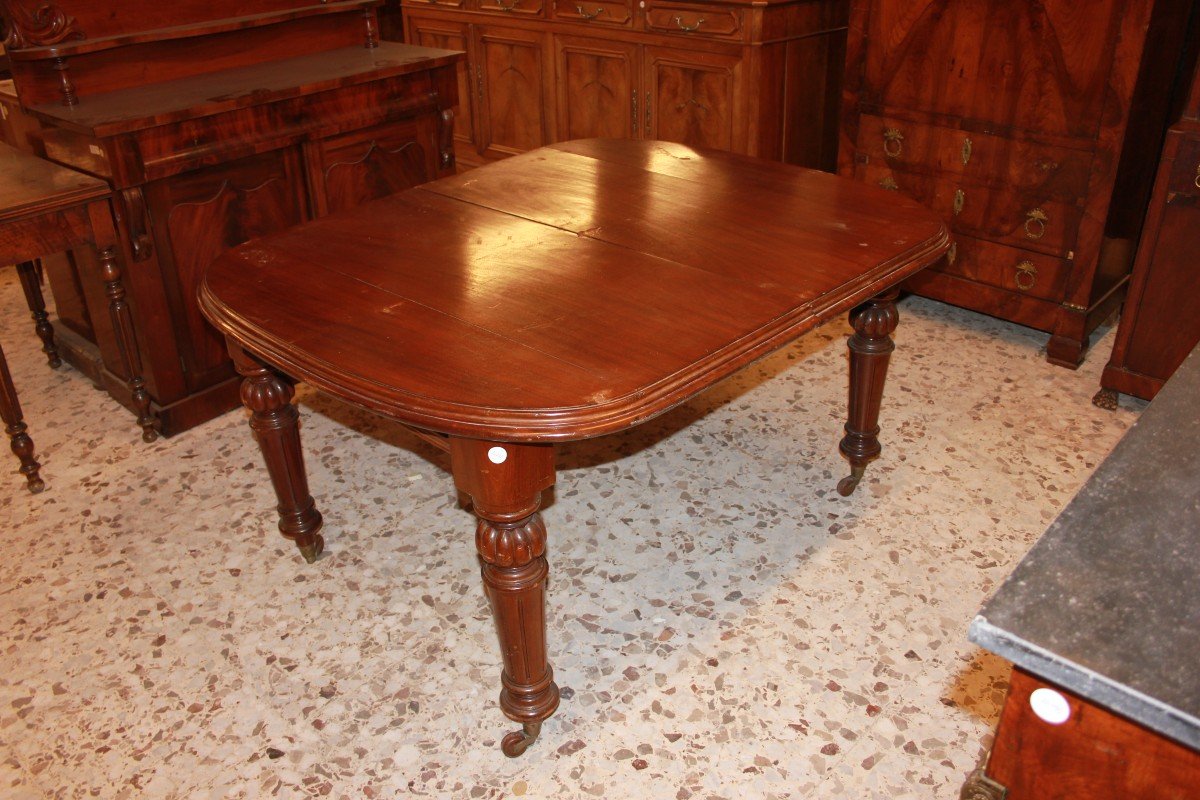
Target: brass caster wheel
(1106, 399)
(515, 743)
(848, 484)
(311, 551)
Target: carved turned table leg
(14, 426)
(37, 309)
(505, 483)
(122, 321)
(275, 423)
(871, 348)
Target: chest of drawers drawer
(594, 12)
(1009, 268)
(512, 8)
(684, 19)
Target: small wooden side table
(45, 208)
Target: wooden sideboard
(759, 78)
(216, 123)
(1160, 321)
(1015, 120)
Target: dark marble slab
(1107, 603)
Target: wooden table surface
(568, 292)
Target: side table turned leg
(505, 482)
(276, 425)
(122, 321)
(871, 348)
(14, 426)
(27, 271)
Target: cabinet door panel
(199, 215)
(447, 35)
(597, 89)
(1029, 66)
(373, 163)
(692, 96)
(514, 73)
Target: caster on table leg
(1106, 399)
(515, 743)
(312, 549)
(848, 484)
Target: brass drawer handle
(592, 15)
(889, 183)
(1026, 276)
(500, 5)
(682, 27)
(960, 199)
(952, 254)
(966, 151)
(1037, 217)
(893, 142)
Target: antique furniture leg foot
(978, 786)
(1106, 399)
(14, 426)
(27, 271)
(276, 427)
(505, 483)
(514, 744)
(871, 348)
(122, 322)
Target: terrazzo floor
(721, 622)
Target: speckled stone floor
(721, 623)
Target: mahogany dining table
(566, 293)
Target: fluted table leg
(871, 348)
(276, 426)
(505, 482)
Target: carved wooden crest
(44, 26)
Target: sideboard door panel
(597, 88)
(514, 73)
(692, 97)
(373, 163)
(199, 215)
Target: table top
(32, 185)
(567, 292)
(1107, 603)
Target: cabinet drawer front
(594, 12)
(1009, 268)
(415, 4)
(1027, 220)
(996, 161)
(516, 8)
(694, 20)
(365, 165)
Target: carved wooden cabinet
(1015, 119)
(217, 123)
(755, 78)
(1160, 321)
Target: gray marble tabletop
(1107, 603)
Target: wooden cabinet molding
(760, 79)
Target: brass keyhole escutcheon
(1026, 275)
(966, 151)
(952, 254)
(960, 199)
(1035, 223)
(893, 142)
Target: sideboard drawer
(694, 20)
(437, 3)
(1010, 268)
(595, 12)
(515, 8)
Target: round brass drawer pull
(893, 142)
(1037, 217)
(1026, 275)
(889, 183)
(1197, 181)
